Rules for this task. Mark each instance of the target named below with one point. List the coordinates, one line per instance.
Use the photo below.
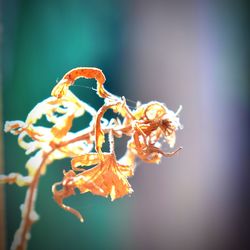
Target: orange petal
(107, 178)
(85, 160)
(60, 129)
(61, 88)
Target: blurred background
(192, 53)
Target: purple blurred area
(192, 53)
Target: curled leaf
(107, 178)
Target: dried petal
(70, 77)
(108, 178)
(14, 127)
(63, 125)
(61, 88)
(85, 160)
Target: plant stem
(22, 234)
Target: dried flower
(148, 125)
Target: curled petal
(70, 77)
(108, 178)
(61, 88)
(62, 126)
(14, 127)
(154, 110)
(99, 134)
(37, 112)
(40, 139)
(60, 195)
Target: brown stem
(22, 234)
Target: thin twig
(22, 234)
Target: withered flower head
(148, 126)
